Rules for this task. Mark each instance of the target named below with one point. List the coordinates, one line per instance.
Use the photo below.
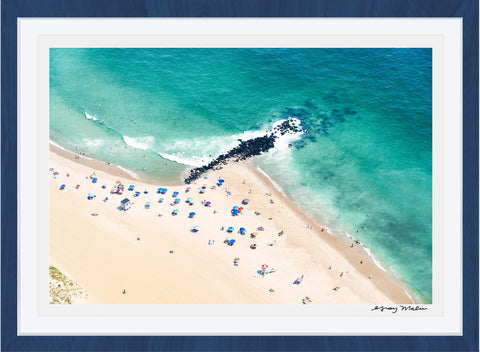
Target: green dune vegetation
(63, 290)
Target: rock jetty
(247, 149)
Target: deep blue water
(367, 113)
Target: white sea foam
(201, 151)
(139, 142)
(377, 263)
(90, 117)
(93, 143)
(58, 146)
(276, 185)
(283, 142)
(130, 172)
(181, 158)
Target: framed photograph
(236, 179)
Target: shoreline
(341, 242)
(345, 238)
(383, 282)
(111, 168)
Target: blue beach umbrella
(191, 215)
(221, 181)
(131, 187)
(230, 229)
(242, 230)
(177, 200)
(196, 228)
(235, 211)
(235, 207)
(159, 190)
(175, 212)
(189, 200)
(175, 194)
(160, 200)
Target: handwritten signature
(401, 308)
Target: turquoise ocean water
(367, 113)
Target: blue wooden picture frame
(13, 9)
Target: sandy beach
(139, 257)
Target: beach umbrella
(137, 193)
(160, 200)
(189, 200)
(241, 208)
(207, 204)
(245, 201)
(221, 181)
(62, 186)
(231, 242)
(164, 190)
(235, 207)
(145, 191)
(235, 211)
(187, 189)
(196, 228)
(131, 187)
(175, 212)
(191, 215)
(175, 194)
(230, 229)
(242, 230)
(177, 200)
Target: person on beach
(124, 291)
(298, 280)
